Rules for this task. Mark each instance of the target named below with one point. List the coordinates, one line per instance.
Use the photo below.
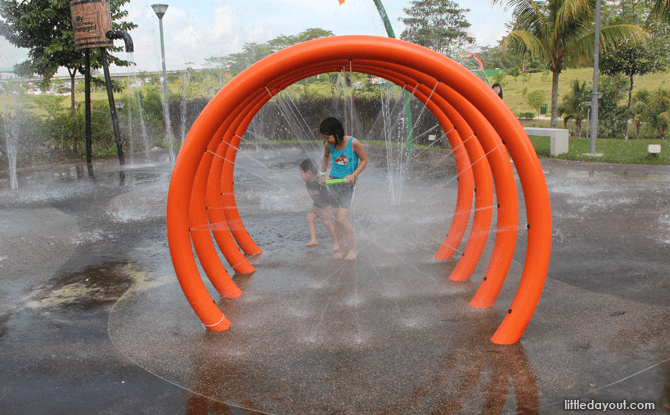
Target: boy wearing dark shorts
(321, 207)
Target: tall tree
(633, 59)
(493, 57)
(253, 52)
(45, 28)
(560, 32)
(439, 25)
(628, 11)
(220, 64)
(282, 41)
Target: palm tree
(561, 32)
(641, 109)
(575, 104)
(661, 10)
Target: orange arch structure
(481, 129)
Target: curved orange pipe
(228, 190)
(463, 205)
(222, 234)
(508, 231)
(482, 220)
(465, 176)
(219, 206)
(179, 240)
(538, 207)
(354, 47)
(465, 267)
(507, 227)
(506, 194)
(236, 125)
(483, 199)
(483, 184)
(466, 188)
(200, 235)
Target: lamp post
(595, 95)
(160, 10)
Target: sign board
(653, 148)
(91, 19)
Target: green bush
(610, 114)
(27, 132)
(152, 108)
(536, 99)
(525, 115)
(500, 78)
(58, 137)
(515, 72)
(67, 133)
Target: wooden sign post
(91, 20)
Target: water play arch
(481, 128)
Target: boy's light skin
(325, 214)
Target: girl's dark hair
(332, 126)
(498, 85)
(308, 165)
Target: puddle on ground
(94, 287)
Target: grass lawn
(613, 151)
(513, 87)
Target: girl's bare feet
(339, 255)
(312, 243)
(352, 255)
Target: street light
(160, 10)
(594, 95)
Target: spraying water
(393, 133)
(130, 125)
(346, 92)
(11, 127)
(183, 107)
(136, 85)
(130, 59)
(166, 115)
(145, 137)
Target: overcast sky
(199, 29)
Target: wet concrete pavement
(92, 319)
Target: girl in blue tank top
(344, 161)
(349, 160)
